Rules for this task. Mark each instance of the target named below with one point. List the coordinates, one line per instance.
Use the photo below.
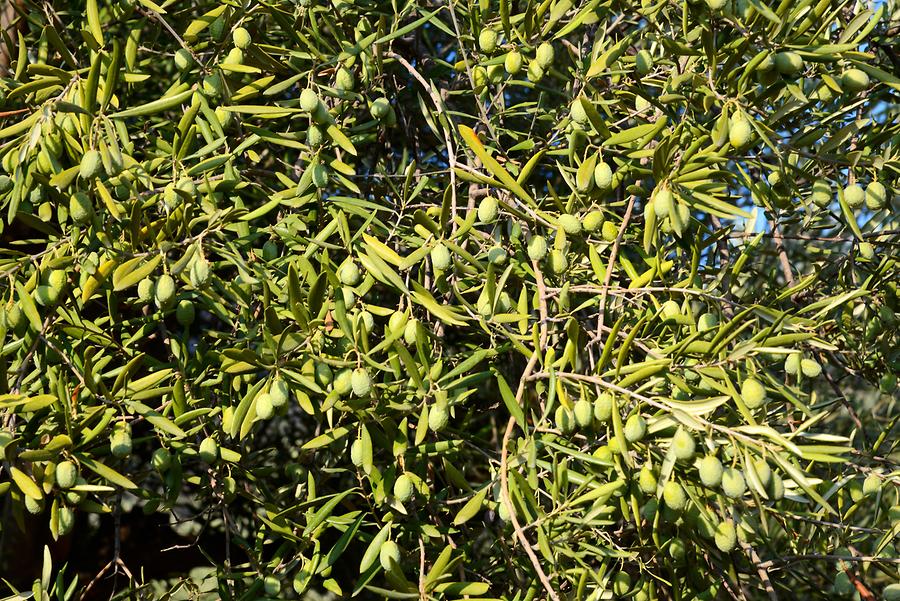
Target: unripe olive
(621, 584)
(711, 470)
(854, 195)
(593, 221)
(315, 135)
(165, 291)
(647, 480)
(564, 419)
(438, 417)
(65, 520)
(380, 108)
(792, 364)
(403, 488)
(34, 506)
(558, 262)
(876, 196)
(319, 175)
(488, 209)
(663, 204)
(271, 585)
(670, 310)
(635, 428)
(891, 592)
(810, 368)
(513, 62)
(356, 453)
(733, 483)
(344, 79)
(753, 393)
(349, 273)
(185, 312)
(788, 63)
(674, 495)
(725, 538)
(309, 100)
(241, 38)
(411, 331)
(603, 406)
(584, 413)
(264, 407)
(120, 441)
(537, 248)
(80, 208)
(199, 273)
(209, 450)
(440, 257)
(91, 164)
(821, 193)
(603, 176)
(235, 56)
(535, 72)
(397, 321)
(389, 555)
(683, 445)
(213, 85)
(570, 224)
(578, 114)
(183, 59)
(545, 55)
(495, 73)
(66, 474)
(497, 255)
(739, 132)
(487, 40)
(279, 392)
(361, 382)
(643, 62)
(854, 80)
(161, 459)
(677, 550)
(187, 185)
(707, 321)
(609, 231)
(764, 472)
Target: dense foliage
(518, 300)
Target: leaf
(324, 512)
(105, 472)
(471, 508)
(93, 19)
(442, 312)
(161, 422)
(128, 273)
(371, 553)
(510, 401)
(26, 484)
(157, 106)
(497, 170)
(327, 438)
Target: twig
(763, 573)
(504, 452)
(812, 557)
(609, 269)
(782, 254)
(441, 109)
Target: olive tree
(520, 300)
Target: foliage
(509, 300)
